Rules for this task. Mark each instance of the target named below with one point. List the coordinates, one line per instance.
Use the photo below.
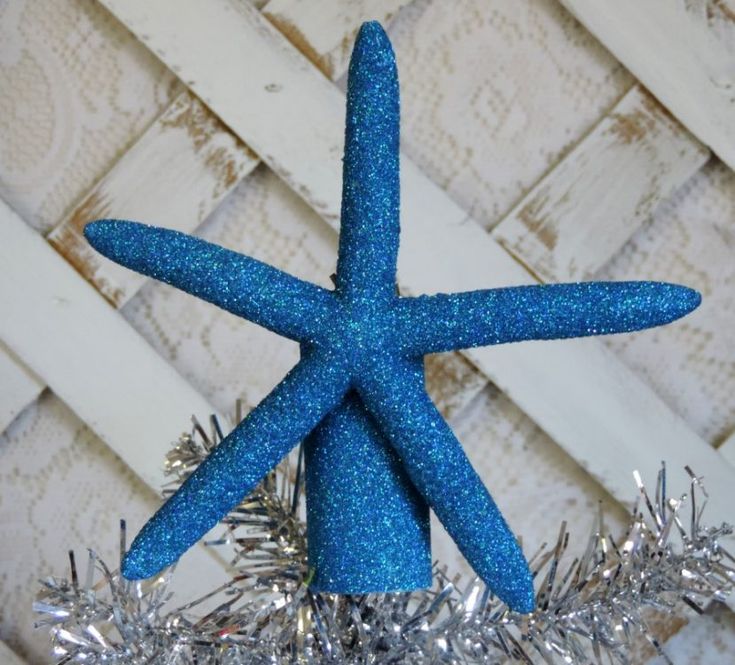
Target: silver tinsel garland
(588, 610)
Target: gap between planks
(577, 391)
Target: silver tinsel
(589, 609)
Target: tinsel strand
(588, 610)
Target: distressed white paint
(174, 176)
(292, 117)
(88, 354)
(587, 207)
(324, 30)
(676, 57)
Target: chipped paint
(534, 215)
(69, 241)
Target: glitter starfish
(377, 450)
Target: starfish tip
(371, 29)
(373, 50)
(516, 589)
(682, 299)
(93, 230)
(100, 232)
(692, 298)
(136, 567)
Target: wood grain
(324, 30)
(284, 109)
(174, 176)
(585, 209)
(676, 57)
(99, 368)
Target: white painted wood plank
(293, 118)
(174, 175)
(585, 209)
(177, 172)
(9, 657)
(676, 57)
(19, 386)
(324, 30)
(65, 331)
(61, 328)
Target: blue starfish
(378, 453)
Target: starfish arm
(431, 324)
(369, 232)
(237, 283)
(287, 415)
(440, 471)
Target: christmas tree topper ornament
(378, 453)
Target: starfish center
(363, 333)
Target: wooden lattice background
(542, 142)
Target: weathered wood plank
(93, 360)
(676, 57)
(323, 30)
(88, 354)
(585, 209)
(452, 382)
(174, 176)
(19, 386)
(282, 107)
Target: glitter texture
(600, 606)
(377, 449)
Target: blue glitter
(378, 453)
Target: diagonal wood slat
(92, 359)
(676, 57)
(99, 368)
(174, 176)
(309, 27)
(576, 218)
(282, 107)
